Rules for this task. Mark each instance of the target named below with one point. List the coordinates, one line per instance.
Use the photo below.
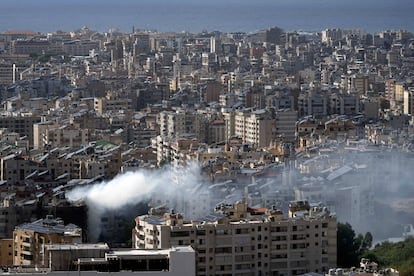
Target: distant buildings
(273, 116)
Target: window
(180, 234)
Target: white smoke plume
(162, 185)
(376, 195)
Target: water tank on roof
(339, 271)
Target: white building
(253, 127)
(177, 261)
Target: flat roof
(149, 252)
(80, 246)
(48, 226)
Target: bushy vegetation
(398, 255)
(351, 248)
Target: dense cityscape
(212, 153)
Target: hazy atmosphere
(195, 16)
(220, 137)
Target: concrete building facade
(29, 239)
(239, 240)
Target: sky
(223, 15)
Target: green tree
(351, 248)
(347, 246)
(367, 243)
(398, 255)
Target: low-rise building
(29, 239)
(99, 259)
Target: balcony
(26, 253)
(26, 244)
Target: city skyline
(267, 137)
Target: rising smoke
(166, 185)
(375, 194)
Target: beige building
(399, 92)
(62, 257)
(106, 165)
(356, 83)
(239, 240)
(409, 101)
(176, 123)
(34, 46)
(181, 121)
(6, 252)
(20, 124)
(29, 239)
(112, 104)
(389, 88)
(174, 149)
(253, 127)
(99, 259)
(56, 135)
(79, 47)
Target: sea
(212, 15)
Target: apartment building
(389, 88)
(315, 104)
(255, 127)
(14, 168)
(9, 36)
(216, 131)
(15, 209)
(344, 104)
(55, 135)
(20, 124)
(399, 89)
(106, 165)
(34, 46)
(29, 239)
(355, 83)
(239, 240)
(280, 101)
(339, 127)
(409, 101)
(286, 124)
(79, 47)
(112, 103)
(174, 149)
(175, 123)
(9, 73)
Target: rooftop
(51, 225)
(80, 246)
